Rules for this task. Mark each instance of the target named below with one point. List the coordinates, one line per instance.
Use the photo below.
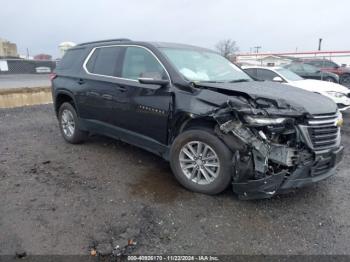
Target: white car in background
(338, 93)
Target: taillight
(53, 76)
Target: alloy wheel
(67, 123)
(199, 162)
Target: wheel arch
(187, 121)
(343, 76)
(62, 97)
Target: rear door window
(309, 69)
(266, 75)
(295, 68)
(251, 71)
(139, 62)
(106, 61)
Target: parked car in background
(338, 93)
(330, 66)
(310, 72)
(190, 105)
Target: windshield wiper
(211, 81)
(239, 80)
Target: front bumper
(322, 167)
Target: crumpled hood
(297, 98)
(319, 86)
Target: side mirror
(152, 81)
(277, 79)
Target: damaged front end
(276, 150)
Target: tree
(227, 47)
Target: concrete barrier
(17, 97)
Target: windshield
(289, 75)
(204, 66)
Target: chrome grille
(323, 132)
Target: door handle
(81, 81)
(107, 97)
(121, 88)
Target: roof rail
(103, 41)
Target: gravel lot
(58, 198)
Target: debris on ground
(21, 254)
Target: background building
(8, 49)
(64, 46)
(276, 59)
(43, 57)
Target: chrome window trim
(115, 77)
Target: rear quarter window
(72, 60)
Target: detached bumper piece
(322, 168)
(261, 188)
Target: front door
(149, 106)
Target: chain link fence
(22, 66)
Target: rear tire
(69, 124)
(211, 160)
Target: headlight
(340, 121)
(264, 121)
(335, 94)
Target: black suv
(196, 109)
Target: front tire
(330, 79)
(201, 162)
(69, 126)
(345, 79)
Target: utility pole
(319, 44)
(257, 49)
(27, 53)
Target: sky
(275, 25)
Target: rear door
(311, 72)
(298, 69)
(102, 92)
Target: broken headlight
(264, 121)
(335, 94)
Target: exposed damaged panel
(265, 133)
(287, 98)
(283, 155)
(261, 147)
(259, 188)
